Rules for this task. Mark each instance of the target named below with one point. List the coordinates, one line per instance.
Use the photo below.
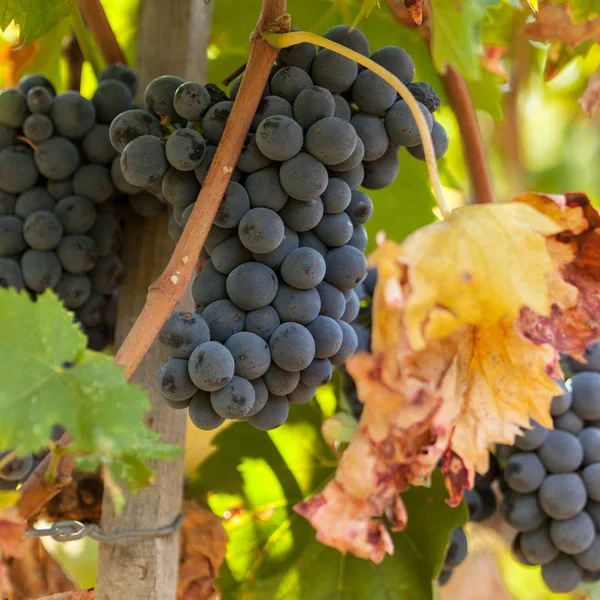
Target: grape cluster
(552, 485)
(284, 259)
(59, 178)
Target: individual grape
(336, 197)
(586, 395)
(12, 241)
(354, 160)
(261, 396)
(41, 270)
(279, 137)
(174, 381)
(76, 214)
(17, 469)
(537, 546)
(299, 306)
(522, 511)
(159, 94)
(348, 347)
(119, 181)
(346, 268)
(263, 322)
(327, 334)
(300, 55)
(94, 183)
(251, 159)
(250, 353)
(331, 140)
(72, 114)
(209, 285)
(107, 234)
(252, 285)
(201, 412)
(352, 307)
(56, 158)
(353, 177)
(224, 319)
(561, 404)
(27, 82)
(216, 93)
(146, 205)
(333, 303)
(318, 373)
(74, 290)
(482, 504)
(562, 496)
(364, 337)
(524, 472)
(439, 137)
(370, 282)
(97, 147)
(590, 559)
(281, 382)
(185, 149)
(561, 452)
(349, 36)
(359, 239)
(34, 199)
(214, 121)
(215, 236)
(308, 239)
(302, 394)
(42, 230)
(303, 268)
(234, 400)
(229, 254)
(533, 438)
(591, 477)
(590, 442)
(302, 215)
(334, 230)
(121, 73)
(570, 422)
(288, 82)
(38, 128)
(334, 72)
(17, 169)
(457, 548)
(211, 366)
(143, 160)
(292, 347)
(92, 313)
(382, 172)
(264, 189)
(181, 188)
(425, 94)
(39, 100)
(261, 230)
(276, 257)
(372, 132)
(397, 61)
(574, 535)
(8, 136)
(269, 106)
(234, 205)
(77, 253)
(402, 126)
(274, 414)
(303, 177)
(110, 99)
(313, 104)
(10, 274)
(107, 274)
(182, 333)
(372, 94)
(191, 101)
(342, 108)
(133, 124)
(13, 109)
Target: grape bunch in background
(59, 180)
(277, 293)
(552, 484)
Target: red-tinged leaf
(415, 10)
(554, 23)
(12, 532)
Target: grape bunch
(284, 259)
(59, 180)
(552, 485)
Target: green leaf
(339, 428)
(253, 480)
(366, 8)
(592, 589)
(49, 377)
(487, 94)
(34, 17)
(456, 31)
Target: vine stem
(166, 291)
(75, 59)
(98, 22)
(297, 37)
(83, 39)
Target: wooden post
(136, 568)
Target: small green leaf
(253, 480)
(487, 94)
(339, 428)
(8, 499)
(366, 8)
(592, 589)
(34, 17)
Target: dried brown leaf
(591, 97)
(415, 10)
(554, 23)
(12, 532)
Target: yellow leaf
(533, 4)
(482, 265)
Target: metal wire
(67, 531)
